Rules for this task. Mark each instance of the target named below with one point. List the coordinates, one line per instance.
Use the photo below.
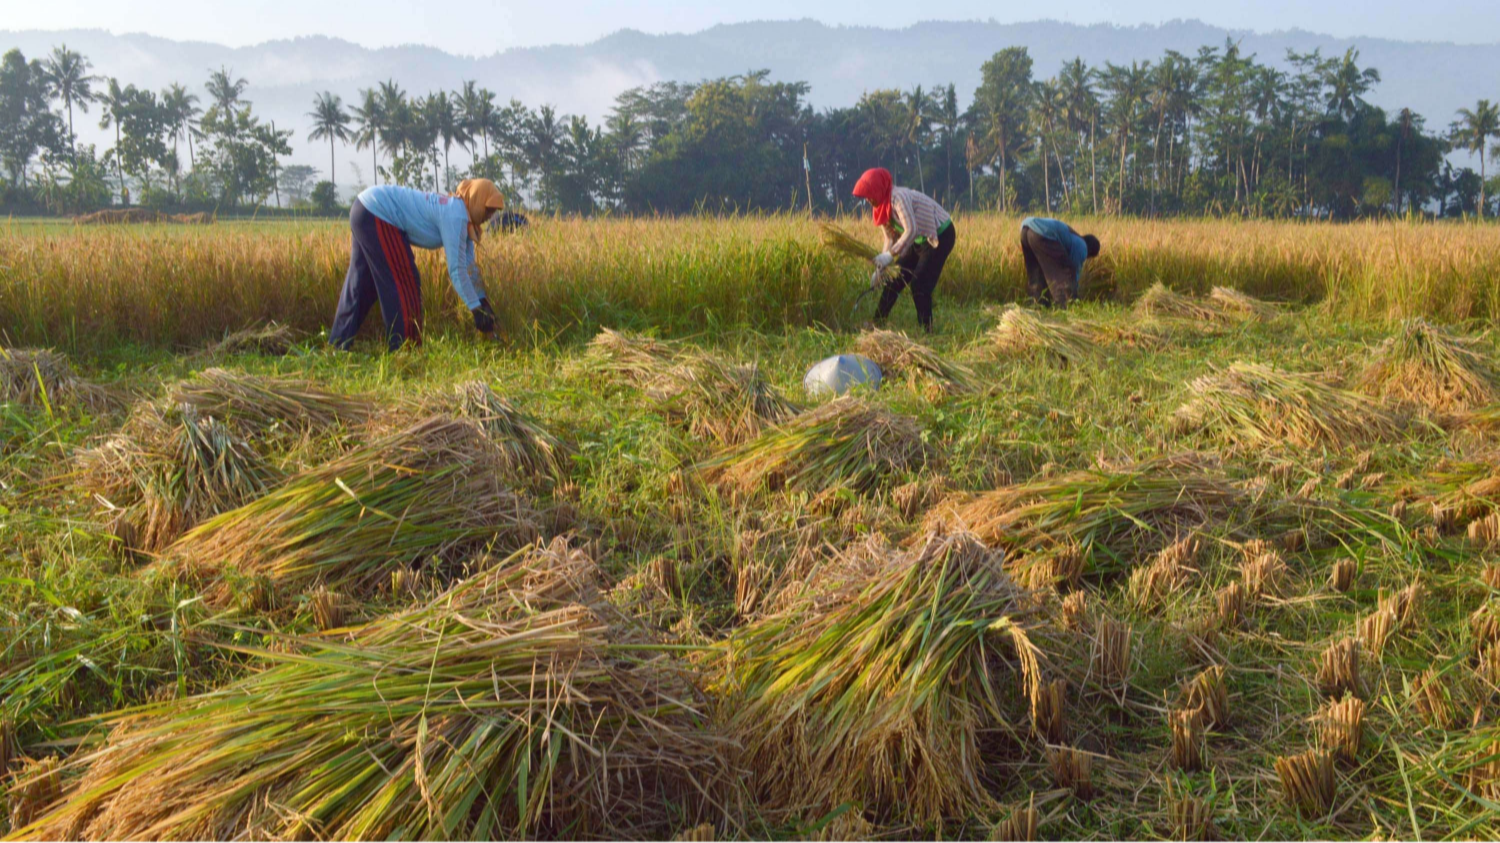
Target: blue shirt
(1059, 232)
(431, 221)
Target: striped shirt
(917, 215)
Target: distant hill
(839, 62)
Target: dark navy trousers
(381, 268)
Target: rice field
(1212, 554)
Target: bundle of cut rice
(1425, 366)
(1253, 404)
(527, 447)
(896, 352)
(44, 378)
(632, 356)
(1022, 332)
(430, 492)
(847, 442)
(727, 403)
(267, 403)
(272, 339)
(838, 240)
(1233, 304)
(500, 709)
(1160, 302)
(877, 693)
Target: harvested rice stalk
(1425, 366)
(499, 709)
(877, 685)
(1060, 567)
(1075, 613)
(1023, 332)
(527, 447)
(1484, 626)
(36, 786)
(1338, 669)
(1430, 696)
(632, 356)
(432, 491)
(897, 353)
(838, 240)
(701, 833)
(272, 339)
(1208, 694)
(1073, 770)
(1189, 741)
(1019, 825)
(1152, 586)
(1341, 577)
(327, 609)
(1110, 654)
(1229, 606)
(10, 750)
(1375, 630)
(1403, 604)
(1307, 781)
(43, 378)
(1483, 774)
(1264, 574)
(1192, 816)
(1049, 712)
(1161, 303)
(846, 442)
(1233, 304)
(1253, 404)
(1485, 532)
(724, 402)
(1341, 727)
(268, 402)
(1490, 576)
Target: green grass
(86, 632)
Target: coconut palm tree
(371, 119)
(331, 122)
(450, 123)
(181, 108)
(225, 90)
(1347, 84)
(116, 102)
(66, 75)
(1473, 132)
(916, 119)
(1406, 121)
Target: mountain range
(839, 62)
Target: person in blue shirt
(384, 223)
(1054, 255)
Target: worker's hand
(877, 279)
(883, 260)
(484, 318)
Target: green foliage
(325, 198)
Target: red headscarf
(875, 187)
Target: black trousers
(1050, 276)
(381, 268)
(921, 267)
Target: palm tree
(1347, 84)
(466, 102)
(1473, 132)
(330, 121)
(1127, 87)
(66, 75)
(116, 102)
(396, 111)
(947, 115)
(545, 138)
(225, 89)
(450, 124)
(915, 121)
(182, 112)
(1406, 121)
(1082, 112)
(371, 119)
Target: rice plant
(268, 403)
(43, 378)
(1424, 366)
(1024, 332)
(1256, 405)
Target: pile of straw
(268, 403)
(43, 378)
(1425, 366)
(632, 356)
(726, 403)
(1159, 302)
(1253, 404)
(272, 339)
(878, 692)
(1024, 332)
(1233, 304)
(897, 353)
(430, 492)
(500, 709)
(847, 442)
(526, 446)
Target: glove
(877, 279)
(883, 260)
(484, 318)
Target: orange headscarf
(479, 195)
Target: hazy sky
(480, 27)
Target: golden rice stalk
(1341, 727)
(33, 790)
(1256, 405)
(1264, 574)
(1049, 712)
(327, 609)
(1403, 605)
(1075, 613)
(1151, 586)
(500, 709)
(44, 378)
(1208, 694)
(1488, 668)
(1229, 606)
(1483, 775)
(1485, 532)
(1307, 781)
(1110, 654)
(268, 403)
(1191, 816)
(1338, 669)
(899, 354)
(1159, 302)
(1189, 741)
(431, 492)
(1233, 304)
(726, 403)
(528, 447)
(847, 442)
(1341, 577)
(1430, 696)
(751, 580)
(631, 356)
(1059, 567)
(1484, 626)
(1023, 332)
(1019, 825)
(701, 833)
(272, 339)
(1425, 366)
(842, 242)
(1375, 630)
(1073, 770)
(1490, 576)
(876, 685)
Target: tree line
(1214, 133)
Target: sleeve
(462, 270)
(902, 206)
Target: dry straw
(1019, 825)
(1073, 770)
(1338, 669)
(1341, 727)
(1229, 606)
(1075, 612)
(1264, 572)
(1257, 405)
(33, 790)
(1375, 630)
(725, 403)
(897, 353)
(272, 339)
(1023, 332)
(1170, 570)
(1430, 696)
(1159, 302)
(528, 448)
(499, 709)
(848, 442)
(43, 378)
(328, 608)
(1307, 782)
(1427, 367)
(1341, 576)
(1234, 304)
(1110, 660)
(1191, 816)
(1189, 741)
(877, 684)
(1049, 712)
(1208, 694)
(268, 403)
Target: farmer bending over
(1054, 255)
(385, 222)
(918, 238)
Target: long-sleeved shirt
(432, 221)
(1061, 233)
(917, 215)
